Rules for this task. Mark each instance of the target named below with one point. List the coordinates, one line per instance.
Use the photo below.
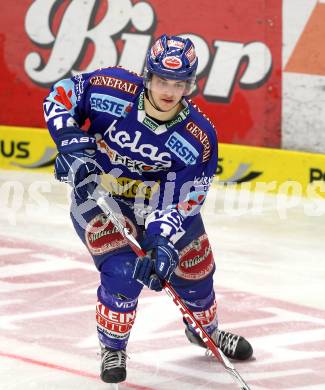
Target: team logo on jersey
(102, 236)
(183, 149)
(64, 95)
(193, 200)
(172, 62)
(196, 260)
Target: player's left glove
(159, 264)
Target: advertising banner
(241, 167)
(238, 43)
(303, 114)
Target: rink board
(253, 168)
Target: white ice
(269, 281)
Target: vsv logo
(77, 28)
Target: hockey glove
(144, 272)
(76, 164)
(80, 170)
(160, 263)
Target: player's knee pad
(116, 275)
(115, 316)
(191, 290)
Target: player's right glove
(79, 169)
(145, 273)
(159, 264)
(76, 161)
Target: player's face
(166, 93)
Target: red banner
(238, 43)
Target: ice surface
(269, 283)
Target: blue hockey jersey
(166, 167)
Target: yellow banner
(262, 169)
(272, 170)
(26, 148)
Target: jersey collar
(155, 127)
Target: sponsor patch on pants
(102, 236)
(196, 259)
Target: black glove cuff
(72, 139)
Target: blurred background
(261, 69)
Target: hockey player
(156, 154)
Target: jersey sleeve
(182, 196)
(64, 107)
(87, 96)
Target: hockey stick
(135, 246)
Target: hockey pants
(118, 292)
